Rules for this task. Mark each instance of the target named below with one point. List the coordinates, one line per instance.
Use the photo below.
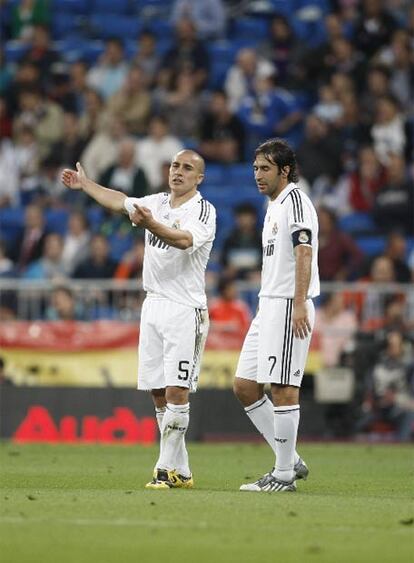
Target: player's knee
(243, 391)
(177, 395)
(285, 395)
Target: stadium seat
(240, 174)
(120, 7)
(357, 223)
(65, 24)
(57, 221)
(107, 25)
(250, 28)
(14, 51)
(11, 222)
(162, 29)
(213, 175)
(71, 6)
(371, 246)
(222, 50)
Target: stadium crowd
(124, 92)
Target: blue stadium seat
(213, 175)
(120, 7)
(222, 50)
(95, 216)
(14, 51)
(57, 221)
(371, 246)
(64, 25)
(360, 223)
(119, 244)
(107, 25)
(240, 174)
(71, 6)
(162, 29)
(217, 74)
(11, 223)
(250, 28)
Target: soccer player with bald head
(179, 232)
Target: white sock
(181, 465)
(262, 415)
(159, 415)
(174, 426)
(286, 421)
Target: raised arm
(77, 180)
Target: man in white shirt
(277, 344)
(179, 233)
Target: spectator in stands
(389, 390)
(132, 102)
(98, 265)
(394, 202)
(63, 306)
(396, 250)
(328, 107)
(241, 76)
(377, 85)
(155, 149)
(374, 27)
(45, 117)
(187, 54)
(6, 73)
(78, 72)
(50, 265)
(147, 58)
(339, 257)
(335, 328)
(241, 256)
(76, 242)
(26, 14)
(268, 111)
(93, 118)
(182, 103)
(69, 149)
(343, 57)
(29, 246)
(130, 265)
(222, 137)
(209, 18)
(125, 175)
(102, 149)
(319, 154)
(281, 49)
(388, 129)
(59, 89)
(228, 313)
(26, 153)
(6, 265)
(9, 175)
(26, 77)
(41, 52)
(365, 182)
(109, 74)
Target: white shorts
(271, 353)
(171, 344)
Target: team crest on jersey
(274, 228)
(303, 237)
(176, 224)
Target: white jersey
(290, 216)
(169, 272)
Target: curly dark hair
(277, 151)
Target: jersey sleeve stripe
(299, 204)
(205, 214)
(295, 208)
(208, 213)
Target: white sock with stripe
(262, 415)
(174, 426)
(286, 423)
(181, 465)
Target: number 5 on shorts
(183, 368)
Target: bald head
(196, 160)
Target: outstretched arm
(77, 180)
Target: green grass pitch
(84, 504)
